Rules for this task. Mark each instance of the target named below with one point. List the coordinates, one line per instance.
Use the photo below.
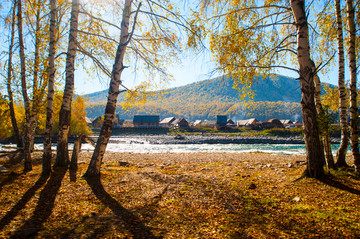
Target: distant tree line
(200, 111)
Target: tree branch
(99, 19)
(98, 35)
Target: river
(225, 144)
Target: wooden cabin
(248, 123)
(146, 120)
(167, 122)
(180, 124)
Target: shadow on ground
(131, 222)
(44, 206)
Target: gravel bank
(208, 139)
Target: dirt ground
(179, 195)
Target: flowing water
(137, 145)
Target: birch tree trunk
(46, 164)
(37, 94)
(324, 132)
(62, 154)
(97, 157)
(353, 93)
(314, 152)
(28, 116)
(17, 136)
(75, 154)
(341, 153)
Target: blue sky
(191, 70)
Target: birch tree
(28, 115)
(154, 43)
(353, 82)
(248, 38)
(46, 167)
(315, 156)
(324, 123)
(62, 154)
(341, 153)
(16, 132)
(95, 163)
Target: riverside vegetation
(195, 195)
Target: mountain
(276, 88)
(208, 98)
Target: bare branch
(95, 60)
(267, 67)
(99, 19)
(167, 19)
(250, 8)
(97, 35)
(318, 68)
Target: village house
(286, 122)
(274, 123)
(180, 124)
(247, 123)
(197, 123)
(221, 121)
(89, 121)
(167, 122)
(230, 123)
(209, 123)
(98, 122)
(298, 124)
(146, 121)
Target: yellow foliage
(331, 98)
(138, 96)
(78, 123)
(5, 126)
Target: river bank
(190, 139)
(208, 139)
(191, 143)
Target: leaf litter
(170, 195)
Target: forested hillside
(275, 97)
(220, 89)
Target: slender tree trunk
(27, 135)
(341, 153)
(46, 165)
(324, 132)
(36, 94)
(97, 157)
(16, 132)
(36, 57)
(314, 152)
(62, 154)
(76, 151)
(353, 93)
